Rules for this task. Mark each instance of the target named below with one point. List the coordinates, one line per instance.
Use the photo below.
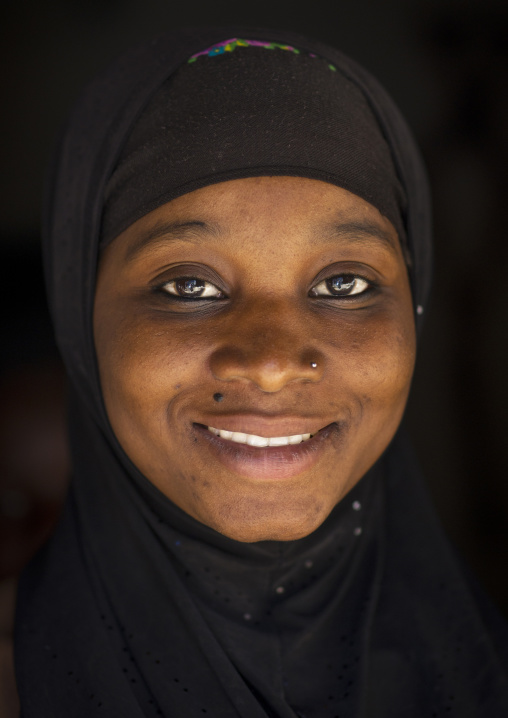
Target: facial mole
(218, 397)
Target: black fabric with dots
(134, 610)
(278, 609)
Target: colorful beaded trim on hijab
(229, 45)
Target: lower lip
(271, 462)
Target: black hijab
(134, 609)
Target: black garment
(257, 112)
(135, 609)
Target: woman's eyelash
(191, 288)
(341, 285)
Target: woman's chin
(251, 520)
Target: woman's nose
(270, 359)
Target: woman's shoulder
(9, 702)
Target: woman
(238, 253)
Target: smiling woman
(297, 307)
(238, 256)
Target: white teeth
(253, 440)
(281, 440)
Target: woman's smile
(289, 299)
(239, 437)
(270, 456)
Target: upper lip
(266, 426)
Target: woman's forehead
(274, 214)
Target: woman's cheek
(151, 362)
(377, 354)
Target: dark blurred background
(446, 65)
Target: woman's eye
(192, 288)
(340, 285)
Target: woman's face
(271, 307)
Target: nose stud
(218, 397)
(313, 364)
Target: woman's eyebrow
(164, 230)
(194, 229)
(363, 231)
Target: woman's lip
(262, 425)
(271, 462)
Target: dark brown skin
(267, 243)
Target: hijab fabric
(135, 609)
(260, 109)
